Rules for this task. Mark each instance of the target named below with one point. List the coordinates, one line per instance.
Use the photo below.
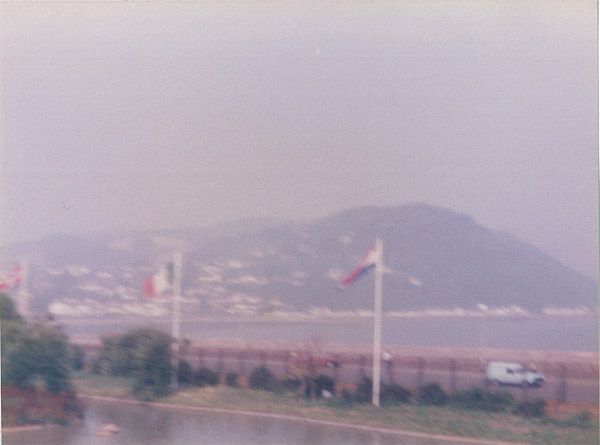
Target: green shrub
(364, 390)
(77, 357)
(205, 376)
(347, 396)
(432, 394)
(290, 384)
(262, 378)
(393, 393)
(536, 408)
(320, 383)
(185, 373)
(231, 379)
(144, 354)
(477, 398)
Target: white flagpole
(177, 262)
(377, 323)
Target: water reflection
(147, 425)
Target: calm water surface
(146, 425)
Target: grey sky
(182, 114)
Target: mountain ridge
(434, 257)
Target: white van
(508, 373)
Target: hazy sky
(151, 115)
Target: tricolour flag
(368, 262)
(17, 275)
(160, 281)
(15, 278)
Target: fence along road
(570, 377)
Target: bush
(205, 376)
(8, 309)
(96, 366)
(394, 393)
(432, 394)
(390, 394)
(290, 384)
(320, 383)
(262, 378)
(347, 396)
(33, 353)
(185, 373)
(144, 354)
(477, 398)
(536, 408)
(77, 356)
(364, 390)
(231, 379)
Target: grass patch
(102, 385)
(448, 419)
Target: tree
(8, 310)
(143, 354)
(39, 351)
(77, 356)
(262, 378)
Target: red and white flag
(160, 281)
(13, 279)
(17, 275)
(368, 262)
(5, 282)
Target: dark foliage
(145, 355)
(37, 351)
(348, 396)
(314, 386)
(77, 357)
(185, 373)
(364, 390)
(477, 398)
(535, 408)
(432, 394)
(393, 393)
(205, 377)
(231, 379)
(262, 378)
(290, 384)
(33, 353)
(8, 310)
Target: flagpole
(377, 323)
(175, 331)
(24, 289)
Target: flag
(160, 281)
(15, 278)
(17, 275)
(5, 282)
(368, 262)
